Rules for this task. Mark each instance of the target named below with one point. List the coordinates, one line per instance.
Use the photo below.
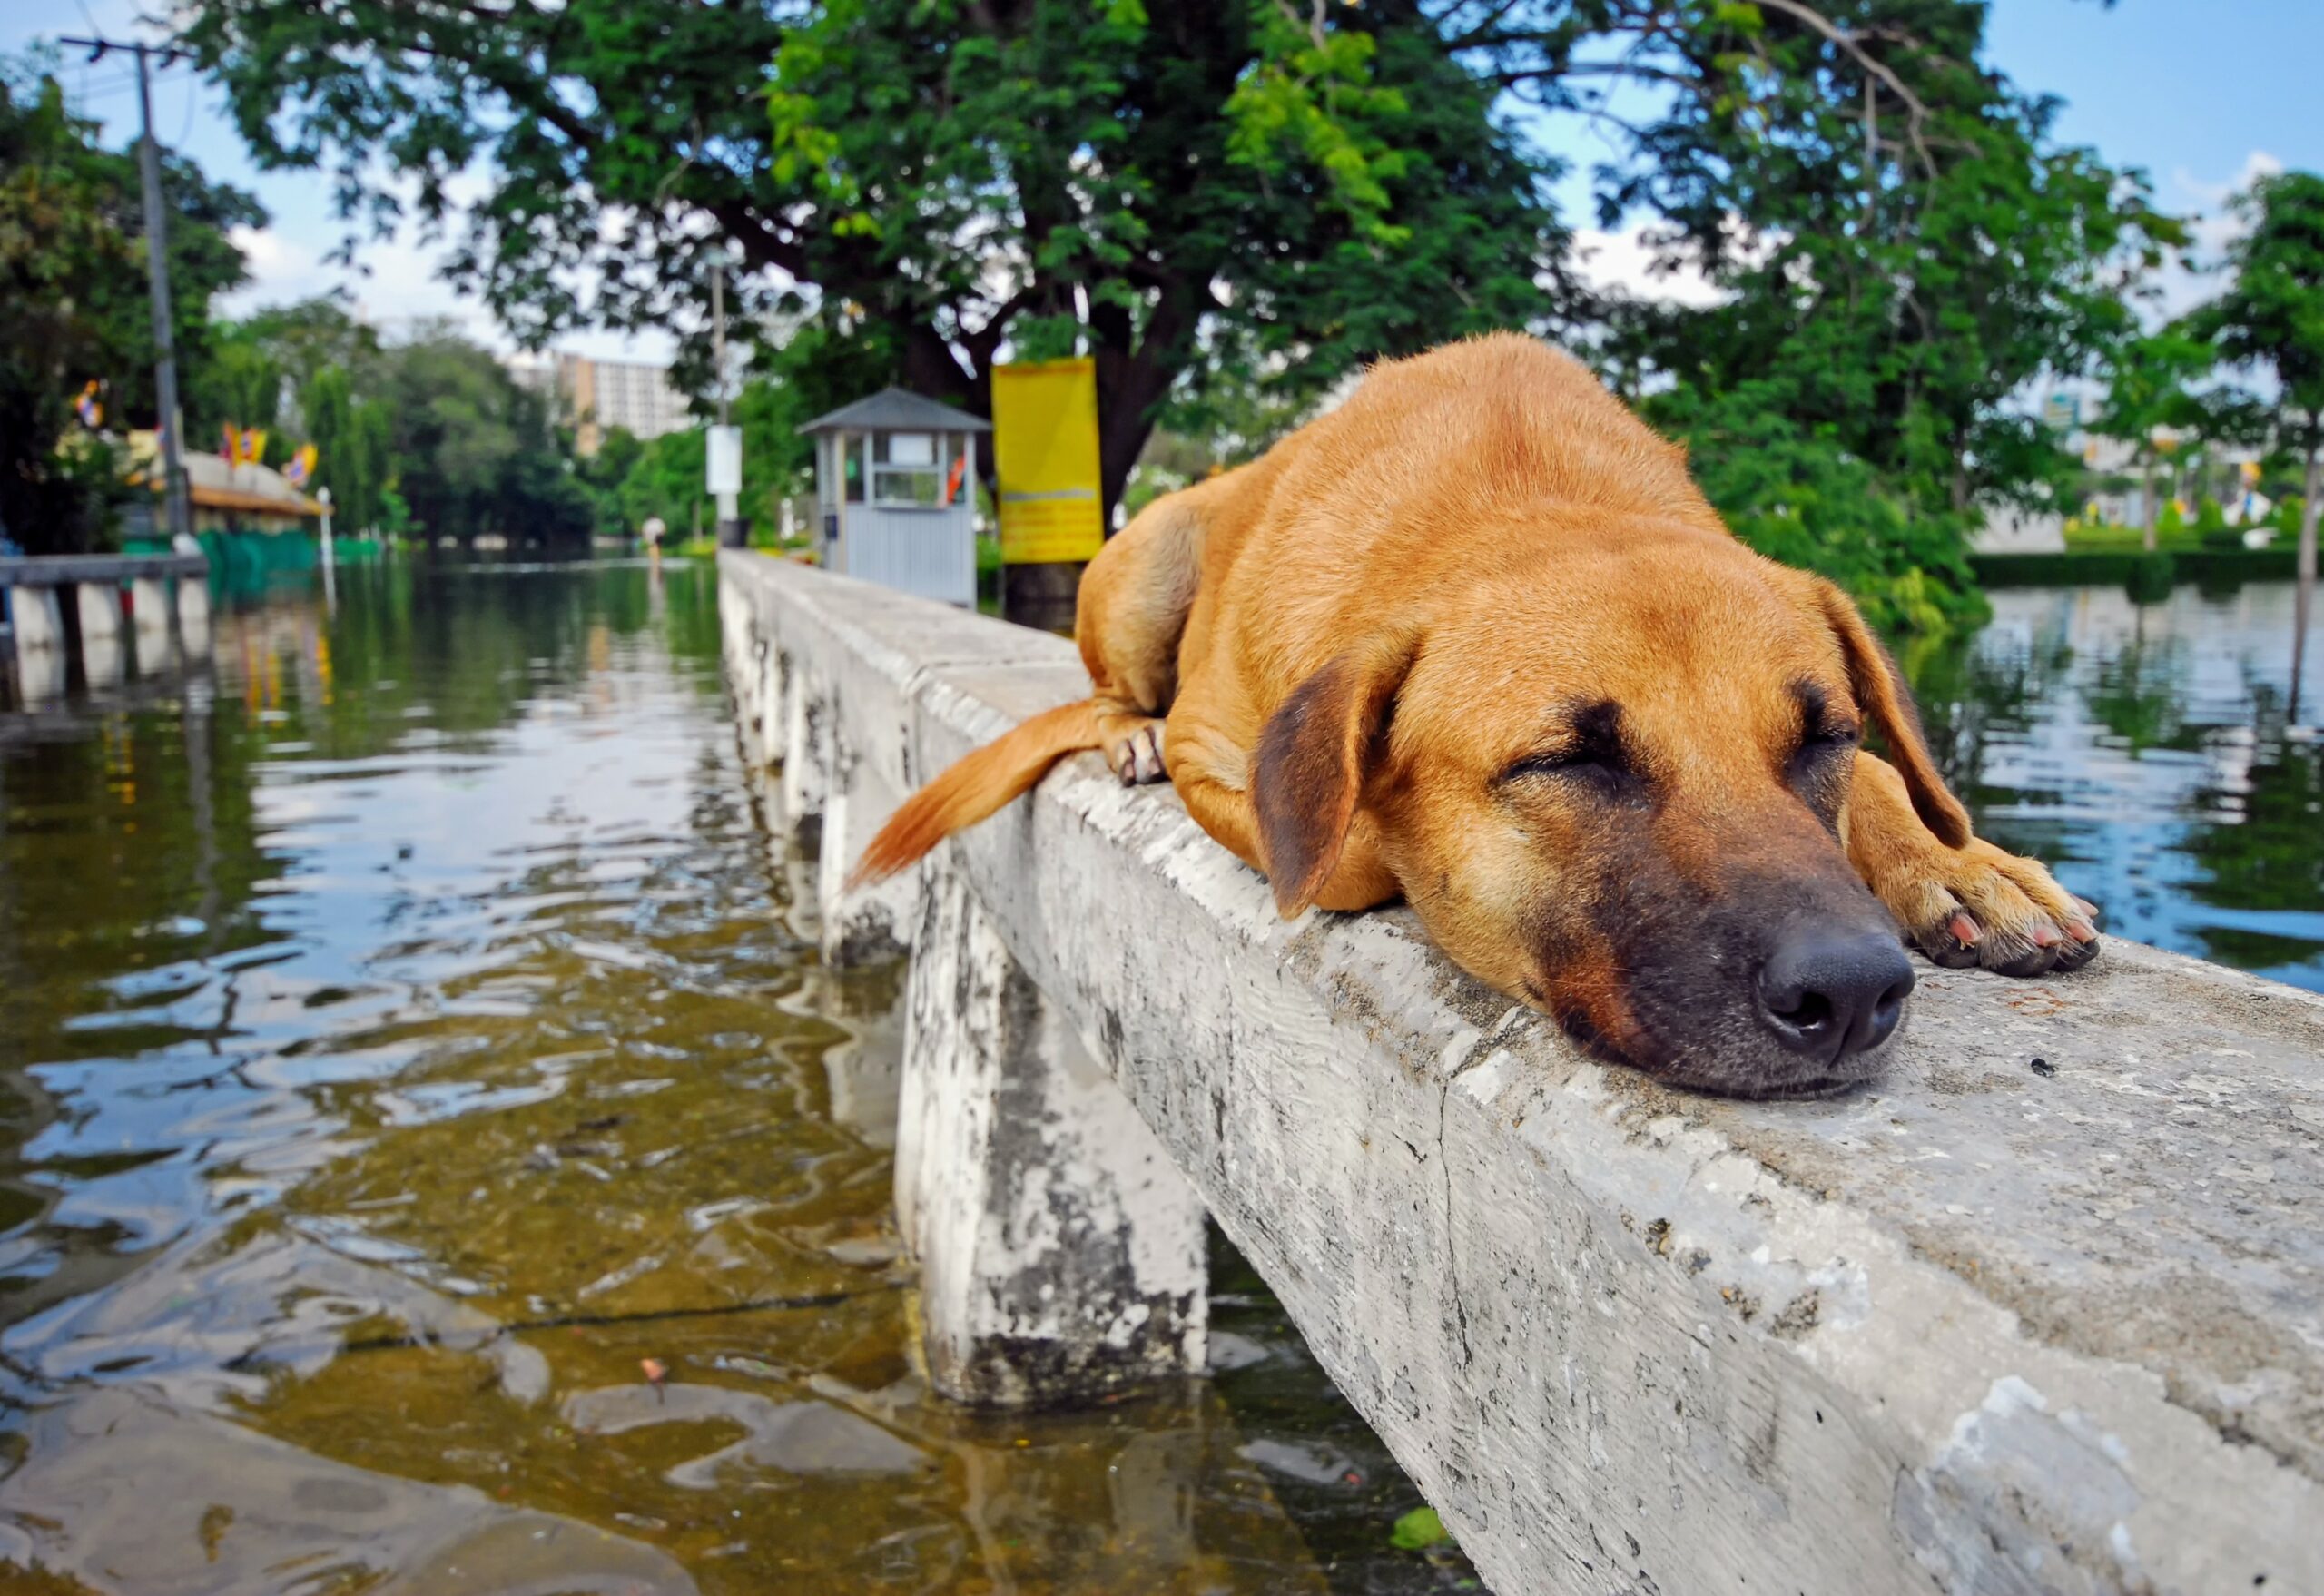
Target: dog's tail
(975, 787)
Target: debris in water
(1418, 1531)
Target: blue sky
(2198, 92)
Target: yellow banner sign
(1045, 454)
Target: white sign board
(725, 459)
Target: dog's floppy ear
(1881, 697)
(1308, 771)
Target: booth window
(908, 470)
(851, 455)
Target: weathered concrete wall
(1061, 1254)
(1986, 1327)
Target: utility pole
(170, 421)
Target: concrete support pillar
(806, 753)
(773, 674)
(1061, 1254)
(760, 728)
(150, 606)
(193, 616)
(870, 924)
(39, 620)
(102, 655)
(862, 1073)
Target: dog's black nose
(1829, 992)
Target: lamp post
(723, 454)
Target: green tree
(1901, 249)
(74, 306)
(776, 461)
(2273, 321)
(353, 440)
(666, 482)
(1203, 189)
(466, 450)
(236, 383)
(1231, 204)
(603, 473)
(2147, 392)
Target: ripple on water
(414, 1046)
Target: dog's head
(1619, 793)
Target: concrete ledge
(64, 570)
(1986, 1327)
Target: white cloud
(393, 283)
(1624, 261)
(2211, 226)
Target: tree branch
(1915, 111)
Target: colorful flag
(301, 466)
(90, 407)
(233, 437)
(253, 445)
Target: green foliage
(1233, 204)
(2149, 388)
(2151, 577)
(238, 385)
(2272, 318)
(2212, 529)
(431, 436)
(666, 481)
(353, 439)
(1890, 280)
(2086, 540)
(1202, 194)
(73, 304)
(1801, 498)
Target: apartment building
(595, 396)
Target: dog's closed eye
(1591, 751)
(1825, 732)
(1821, 742)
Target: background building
(596, 396)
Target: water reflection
(428, 1146)
(2143, 751)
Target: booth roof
(893, 409)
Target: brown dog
(1475, 639)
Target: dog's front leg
(1961, 906)
(1212, 776)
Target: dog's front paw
(1976, 905)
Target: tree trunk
(2304, 599)
(2146, 507)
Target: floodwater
(434, 1161)
(2143, 752)
(404, 1038)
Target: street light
(723, 451)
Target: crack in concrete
(1451, 1248)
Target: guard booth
(896, 491)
